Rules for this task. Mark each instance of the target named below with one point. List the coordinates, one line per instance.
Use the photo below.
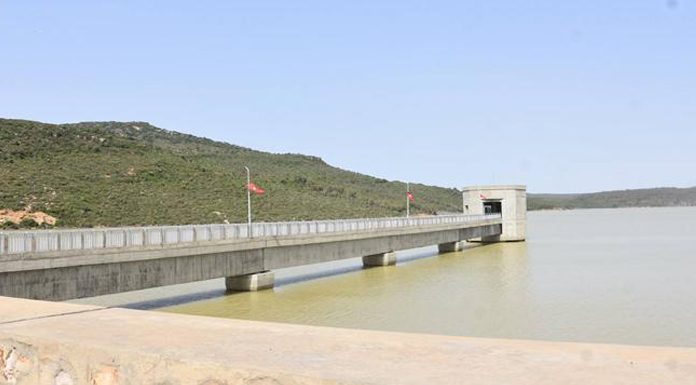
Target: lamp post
(248, 183)
(408, 200)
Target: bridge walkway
(65, 264)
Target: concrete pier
(382, 259)
(450, 247)
(60, 343)
(251, 282)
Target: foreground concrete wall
(64, 276)
(65, 344)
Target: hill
(655, 197)
(132, 173)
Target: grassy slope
(112, 174)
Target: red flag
(256, 189)
(483, 197)
(410, 196)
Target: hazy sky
(564, 96)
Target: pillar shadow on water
(175, 300)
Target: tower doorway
(493, 207)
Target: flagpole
(248, 173)
(408, 201)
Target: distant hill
(655, 197)
(118, 174)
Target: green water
(614, 276)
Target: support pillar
(450, 247)
(491, 239)
(251, 282)
(382, 259)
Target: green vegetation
(656, 197)
(119, 174)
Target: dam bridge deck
(75, 263)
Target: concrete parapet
(81, 345)
(251, 282)
(450, 247)
(382, 259)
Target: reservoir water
(612, 276)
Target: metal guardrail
(38, 241)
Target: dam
(67, 264)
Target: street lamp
(408, 200)
(248, 190)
